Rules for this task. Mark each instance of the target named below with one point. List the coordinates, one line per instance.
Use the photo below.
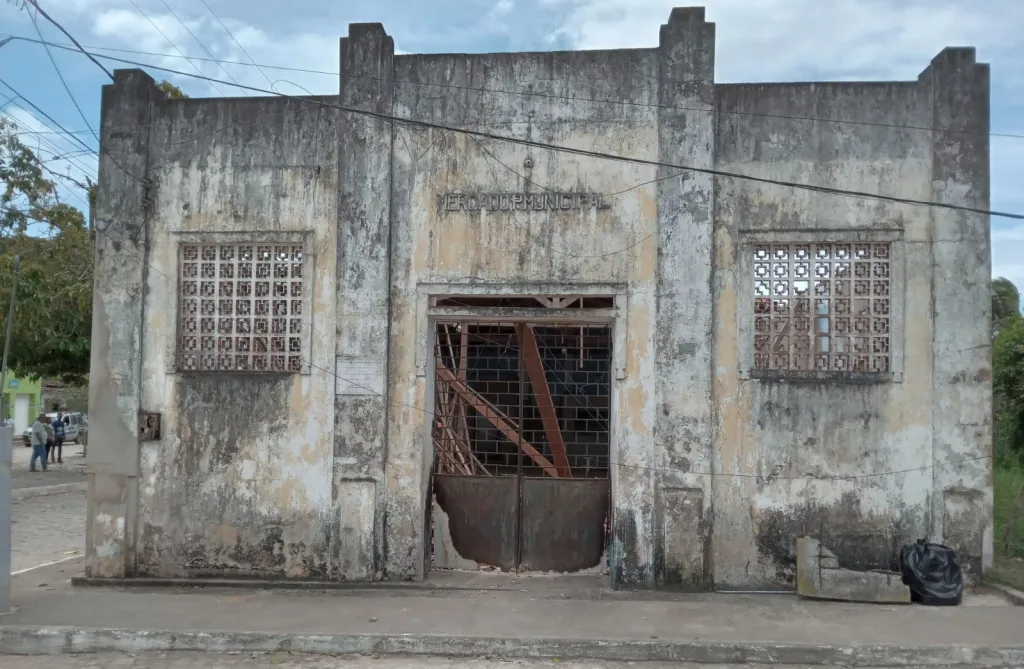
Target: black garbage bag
(932, 574)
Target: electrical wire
(50, 147)
(526, 93)
(72, 157)
(171, 42)
(50, 118)
(46, 16)
(515, 218)
(541, 145)
(602, 155)
(232, 36)
(61, 77)
(760, 477)
(200, 43)
(88, 148)
(763, 477)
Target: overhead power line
(71, 136)
(170, 41)
(60, 76)
(553, 96)
(64, 153)
(46, 16)
(199, 42)
(232, 36)
(50, 146)
(598, 154)
(49, 118)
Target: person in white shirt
(39, 437)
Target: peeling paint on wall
(716, 469)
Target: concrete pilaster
(683, 336)
(364, 220)
(961, 278)
(120, 273)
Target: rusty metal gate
(521, 438)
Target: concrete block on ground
(819, 576)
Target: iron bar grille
(822, 307)
(241, 307)
(524, 399)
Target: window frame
(746, 294)
(254, 238)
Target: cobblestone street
(45, 529)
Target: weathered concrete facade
(719, 460)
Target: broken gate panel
(563, 524)
(481, 516)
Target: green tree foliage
(53, 315)
(171, 91)
(1008, 372)
(1005, 302)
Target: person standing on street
(58, 438)
(48, 424)
(38, 442)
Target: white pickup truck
(75, 426)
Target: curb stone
(1012, 594)
(43, 490)
(59, 640)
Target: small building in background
(22, 401)
(363, 336)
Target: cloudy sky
(758, 40)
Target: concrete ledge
(58, 640)
(40, 491)
(1012, 594)
(268, 584)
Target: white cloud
(757, 40)
(780, 39)
(500, 9)
(1008, 252)
(786, 40)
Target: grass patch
(1008, 568)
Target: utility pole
(6, 450)
(10, 316)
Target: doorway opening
(522, 436)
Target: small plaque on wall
(359, 376)
(149, 426)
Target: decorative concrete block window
(822, 308)
(243, 306)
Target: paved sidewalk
(186, 660)
(539, 619)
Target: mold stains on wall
(861, 540)
(227, 415)
(717, 471)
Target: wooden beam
(496, 418)
(546, 405)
